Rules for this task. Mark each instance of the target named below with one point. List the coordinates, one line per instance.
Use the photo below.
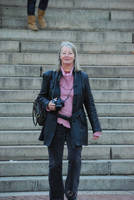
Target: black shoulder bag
(39, 114)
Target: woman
(63, 94)
(41, 13)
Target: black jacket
(82, 97)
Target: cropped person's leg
(31, 15)
(41, 13)
(31, 7)
(74, 167)
(55, 151)
(43, 4)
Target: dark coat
(82, 97)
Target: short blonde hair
(74, 49)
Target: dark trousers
(55, 151)
(31, 6)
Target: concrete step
(40, 152)
(102, 96)
(71, 24)
(23, 70)
(25, 109)
(91, 152)
(26, 123)
(41, 47)
(9, 46)
(122, 15)
(60, 35)
(113, 96)
(58, 13)
(88, 183)
(52, 59)
(18, 83)
(40, 168)
(109, 71)
(92, 71)
(20, 95)
(71, 12)
(104, 4)
(111, 137)
(100, 195)
(82, 47)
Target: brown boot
(41, 20)
(32, 23)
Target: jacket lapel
(75, 91)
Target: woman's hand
(51, 106)
(96, 135)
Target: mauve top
(66, 91)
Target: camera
(59, 103)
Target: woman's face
(67, 56)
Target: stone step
(17, 83)
(90, 4)
(25, 70)
(9, 46)
(4, 195)
(40, 152)
(72, 12)
(40, 168)
(26, 123)
(111, 137)
(122, 15)
(88, 183)
(18, 95)
(41, 47)
(109, 71)
(92, 71)
(71, 24)
(52, 59)
(102, 96)
(58, 13)
(60, 35)
(88, 194)
(113, 96)
(91, 152)
(82, 47)
(25, 109)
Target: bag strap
(33, 115)
(54, 79)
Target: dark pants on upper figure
(31, 6)
(55, 151)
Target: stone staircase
(103, 32)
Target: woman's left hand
(96, 135)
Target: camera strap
(54, 79)
(68, 95)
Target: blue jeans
(31, 6)
(55, 151)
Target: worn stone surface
(30, 137)
(60, 35)
(51, 59)
(40, 152)
(101, 71)
(29, 83)
(26, 123)
(87, 183)
(80, 197)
